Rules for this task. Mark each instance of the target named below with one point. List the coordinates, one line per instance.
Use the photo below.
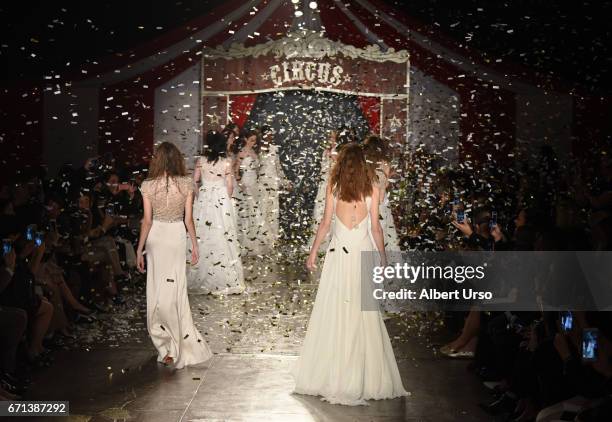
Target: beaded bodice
(167, 196)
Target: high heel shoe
(505, 404)
(85, 319)
(446, 349)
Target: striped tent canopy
(458, 104)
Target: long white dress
(347, 356)
(271, 180)
(391, 244)
(219, 270)
(386, 216)
(319, 206)
(169, 319)
(250, 215)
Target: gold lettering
(323, 73)
(276, 79)
(298, 71)
(310, 71)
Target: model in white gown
(317, 213)
(271, 181)
(250, 215)
(219, 269)
(169, 319)
(386, 216)
(347, 356)
(391, 240)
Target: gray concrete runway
(111, 374)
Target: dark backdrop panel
(302, 120)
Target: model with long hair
(168, 208)
(347, 356)
(219, 270)
(248, 195)
(327, 160)
(379, 158)
(272, 181)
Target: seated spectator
(21, 293)
(13, 324)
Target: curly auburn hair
(351, 178)
(166, 159)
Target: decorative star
(214, 118)
(347, 78)
(264, 76)
(395, 123)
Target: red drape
(370, 107)
(240, 108)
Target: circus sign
(300, 71)
(235, 74)
(341, 74)
(304, 60)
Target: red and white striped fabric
(153, 87)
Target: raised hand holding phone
(590, 340)
(462, 223)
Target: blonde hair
(166, 159)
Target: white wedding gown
(386, 217)
(347, 356)
(219, 270)
(271, 180)
(391, 244)
(319, 206)
(250, 213)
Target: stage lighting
(312, 4)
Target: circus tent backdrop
(413, 85)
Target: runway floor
(111, 373)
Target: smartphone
(460, 216)
(7, 246)
(567, 320)
(110, 209)
(589, 344)
(30, 231)
(493, 220)
(448, 209)
(38, 239)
